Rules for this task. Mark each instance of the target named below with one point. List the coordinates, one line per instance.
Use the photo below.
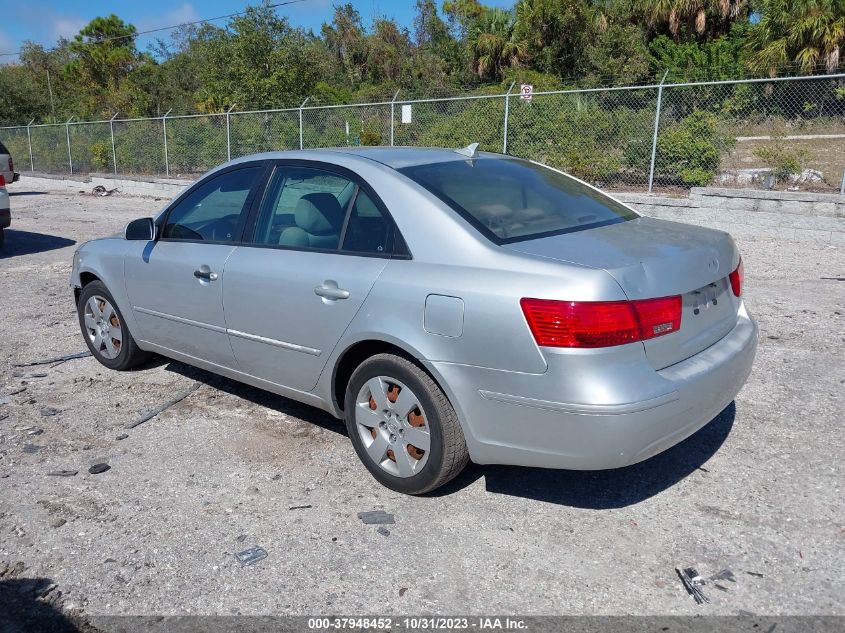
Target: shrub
(781, 159)
(370, 137)
(100, 155)
(690, 151)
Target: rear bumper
(596, 410)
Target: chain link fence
(777, 132)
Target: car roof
(394, 157)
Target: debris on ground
(251, 555)
(383, 531)
(31, 448)
(47, 412)
(149, 415)
(305, 507)
(692, 583)
(62, 473)
(725, 574)
(96, 469)
(376, 517)
(122, 436)
(101, 191)
(57, 523)
(755, 574)
(50, 361)
(15, 392)
(402, 591)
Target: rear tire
(105, 331)
(2, 237)
(384, 433)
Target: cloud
(179, 15)
(66, 26)
(7, 45)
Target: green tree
(810, 33)
(699, 17)
(493, 44)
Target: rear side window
(367, 230)
(510, 200)
(3, 149)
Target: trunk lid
(652, 258)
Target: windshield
(510, 200)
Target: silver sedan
(449, 305)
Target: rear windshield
(3, 149)
(511, 200)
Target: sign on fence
(406, 113)
(526, 92)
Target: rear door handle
(205, 274)
(331, 291)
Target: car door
(320, 241)
(175, 282)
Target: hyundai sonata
(449, 305)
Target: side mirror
(141, 229)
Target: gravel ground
(757, 491)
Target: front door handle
(329, 290)
(205, 274)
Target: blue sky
(44, 21)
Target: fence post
(300, 120)
(656, 126)
(69, 156)
(841, 189)
(507, 108)
(228, 135)
(113, 153)
(392, 116)
(29, 142)
(164, 128)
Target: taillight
(2, 180)
(11, 165)
(736, 279)
(600, 323)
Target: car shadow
(27, 193)
(603, 489)
(19, 243)
(25, 607)
(263, 398)
(596, 489)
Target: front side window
(212, 212)
(510, 200)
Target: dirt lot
(758, 491)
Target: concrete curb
(786, 215)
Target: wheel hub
(392, 426)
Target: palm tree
(493, 45)
(694, 13)
(810, 33)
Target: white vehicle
(7, 165)
(5, 213)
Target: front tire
(104, 329)
(402, 426)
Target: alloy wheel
(393, 426)
(103, 327)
